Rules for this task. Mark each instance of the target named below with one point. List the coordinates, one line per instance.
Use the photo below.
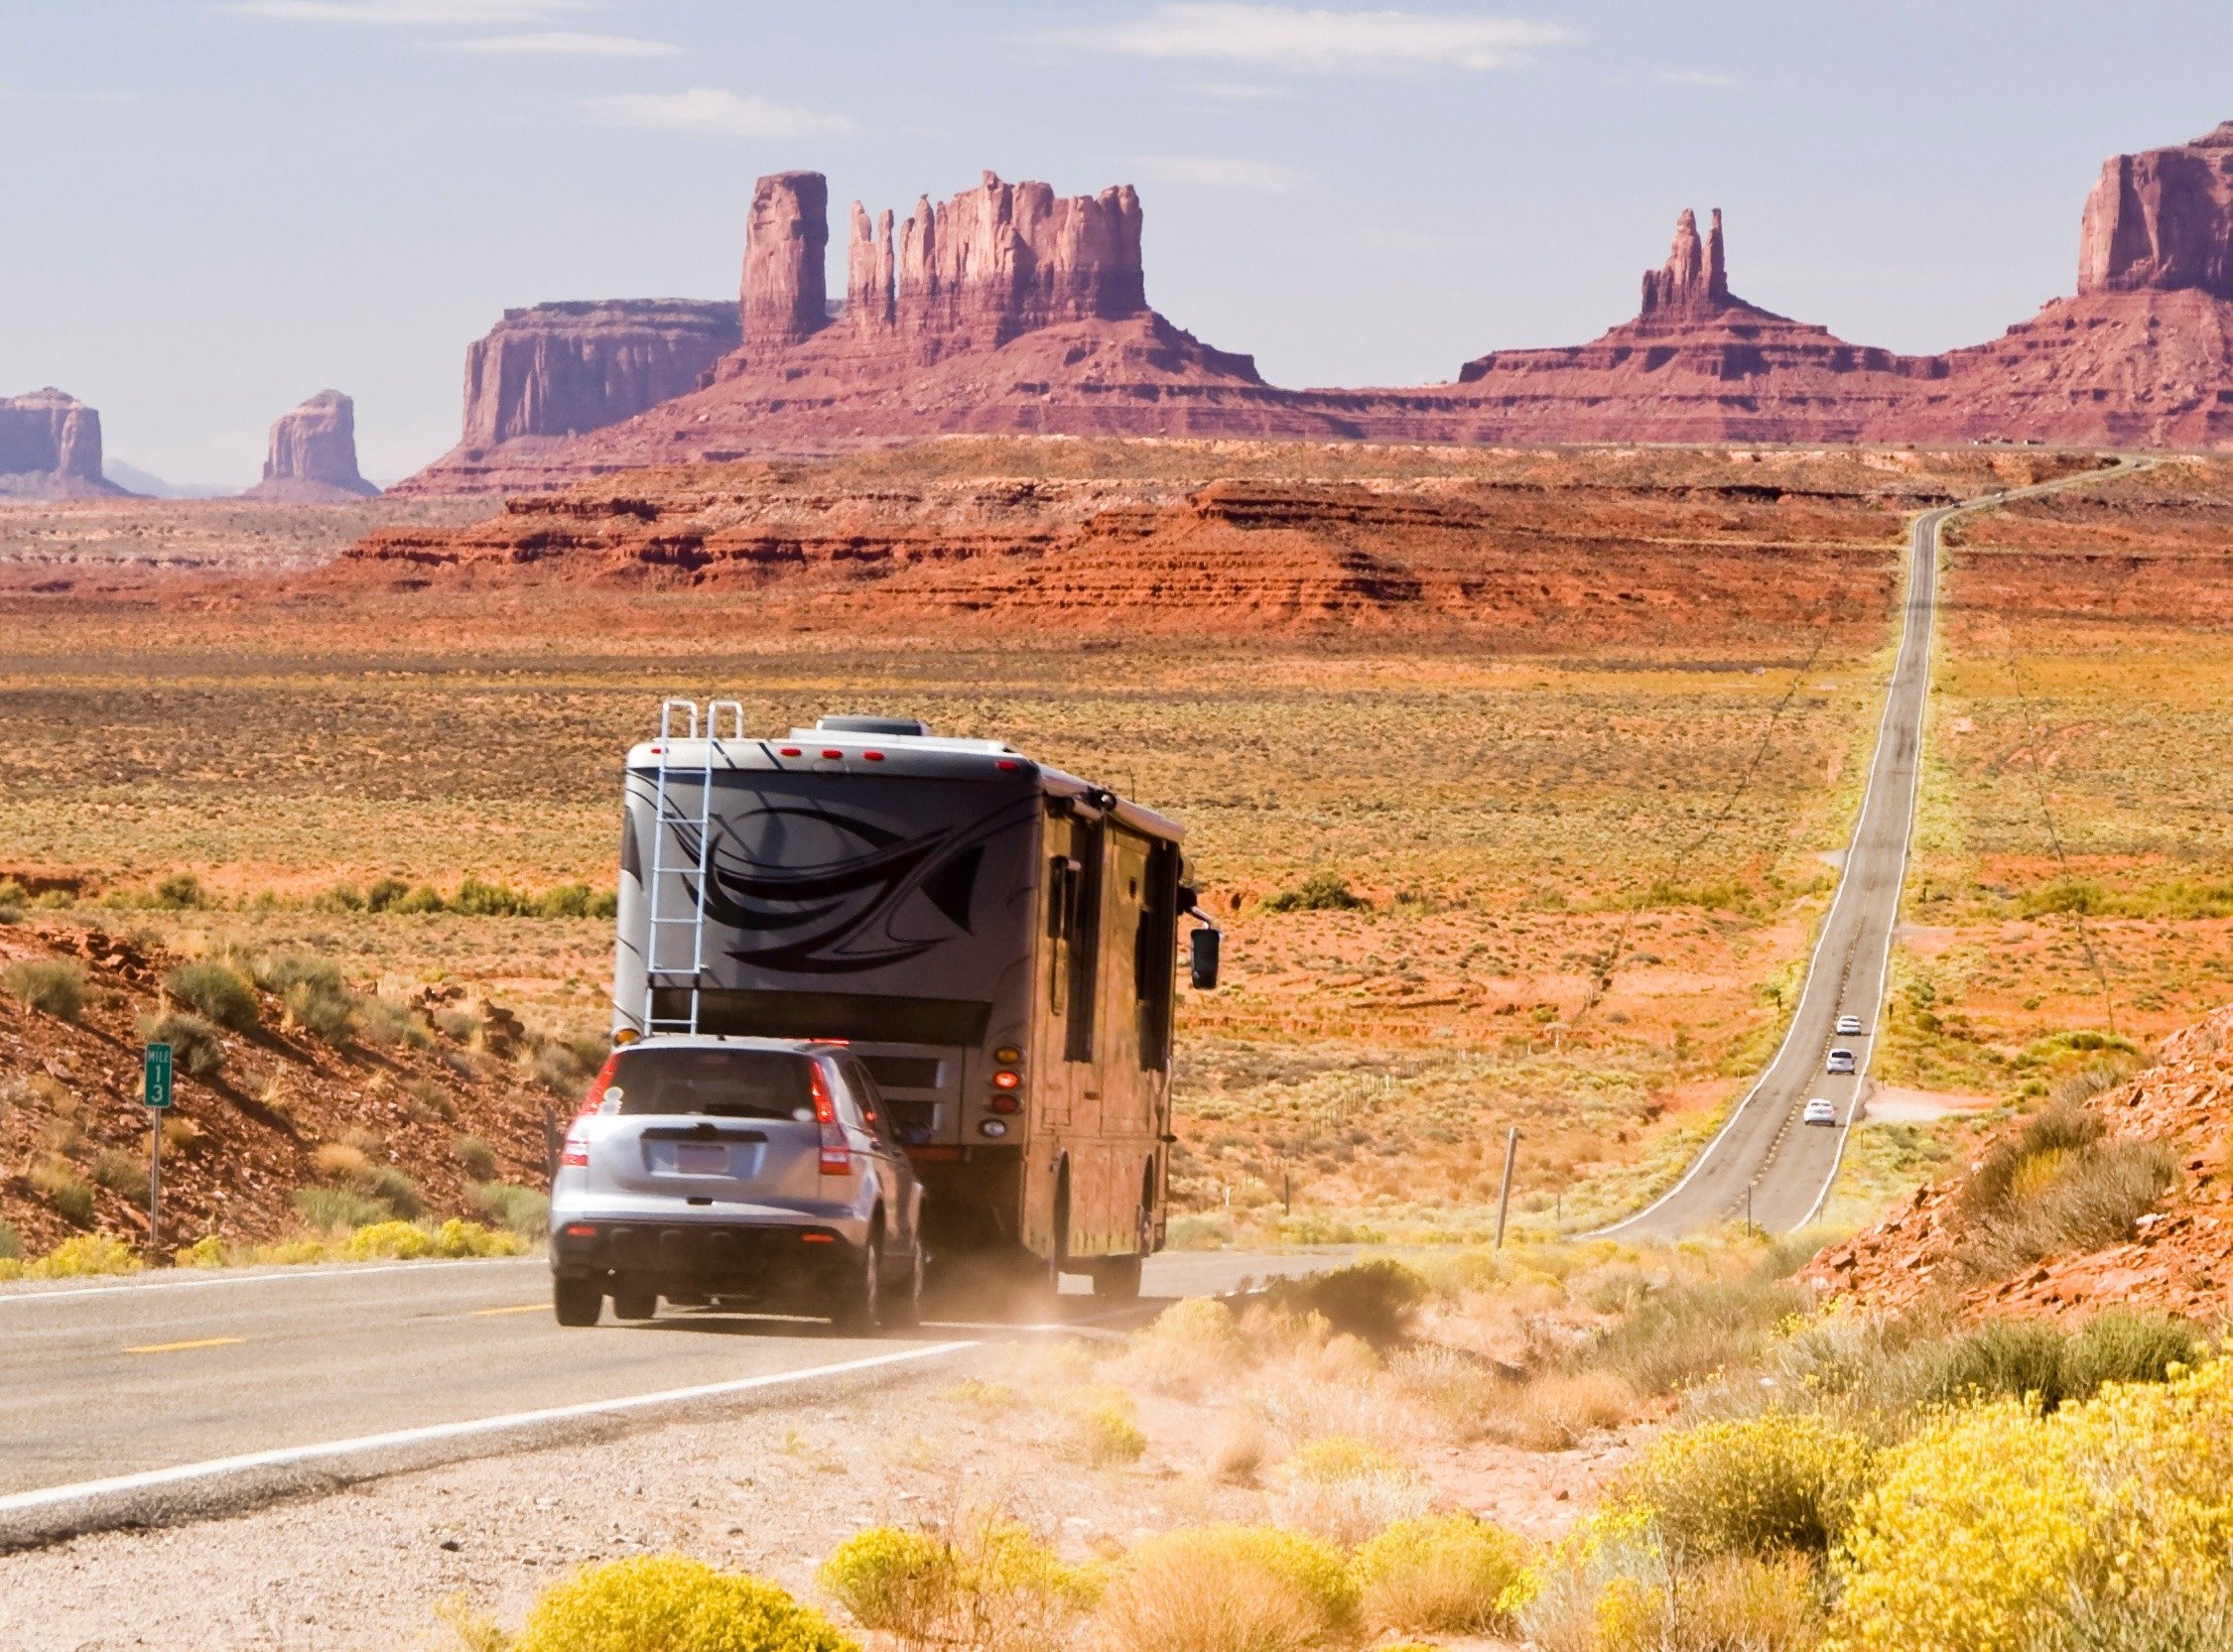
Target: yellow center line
(180, 1347)
(523, 1308)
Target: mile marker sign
(155, 1089)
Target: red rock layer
(1070, 538)
(313, 454)
(51, 448)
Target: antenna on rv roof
(890, 727)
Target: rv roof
(828, 730)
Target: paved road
(1764, 1162)
(164, 1397)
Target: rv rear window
(723, 1084)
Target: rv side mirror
(1204, 972)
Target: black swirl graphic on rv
(848, 913)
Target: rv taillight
(592, 1102)
(837, 1158)
(1007, 766)
(1006, 1080)
(1005, 1104)
(790, 751)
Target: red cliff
(2161, 222)
(313, 454)
(556, 370)
(51, 448)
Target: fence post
(1503, 1193)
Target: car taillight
(577, 1151)
(596, 1098)
(837, 1158)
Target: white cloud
(1222, 173)
(713, 113)
(483, 12)
(1316, 41)
(1697, 77)
(563, 45)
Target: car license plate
(692, 1158)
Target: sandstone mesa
(1008, 309)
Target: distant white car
(1841, 1061)
(1849, 1026)
(1820, 1111)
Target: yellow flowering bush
(1994, 1525)
(1440, 1574)
(988, 1582)
(667, 1603)
(407, 1241)
(1230, 1589)
(1751, 1485)
(1347, 1490)
(83, 1253)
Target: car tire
(636, 1301)
(860, 1299)
(903, 1306)
(577, 1302)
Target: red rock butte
(51, 448)
(1008, 309)
(313, 454)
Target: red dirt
(2182, 1258)
(259, 1120)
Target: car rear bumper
(762, 1261)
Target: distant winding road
(1764, 1162)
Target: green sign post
(154, 1093)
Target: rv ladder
(682, 855)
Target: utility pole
(1503, 1193)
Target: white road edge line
(157, 1283)
(287, 1456)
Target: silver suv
(747, 1171)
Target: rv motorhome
(993, 939)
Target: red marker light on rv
(832, 752)
(1007, 765)
(873, 756)
(790, 751)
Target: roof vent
(886, 727)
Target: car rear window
(725, 1083)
